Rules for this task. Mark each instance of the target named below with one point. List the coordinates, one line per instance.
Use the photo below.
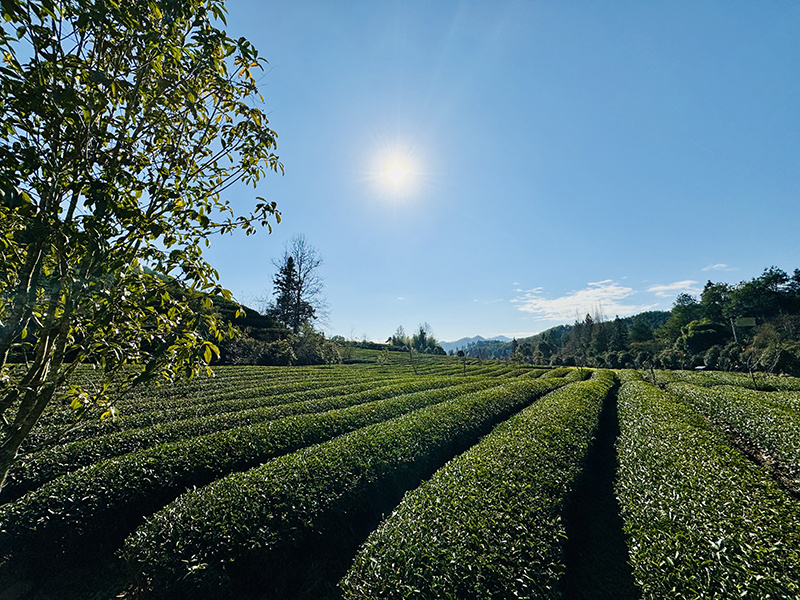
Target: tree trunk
(37, 386)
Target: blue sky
(559, 157)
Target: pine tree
(285, 283)
(298, 286)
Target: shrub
(769, 421)
(702, 521)
(44, 466)
(495, 512)
(279, 354)
(251, 522)
(97, 505)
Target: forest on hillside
(748, 326)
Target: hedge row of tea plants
(492, 370)
(489, 523)
(569, 373)
(783, 400)
(47, 435)
(760, 417)
(246, 400)
(226, 382)
(702, 520)
(205, 541)
(266, 386)
(210, 397)
(96, 506)
(56, 432)
(36, 469)
(757, 381)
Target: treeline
(423, 341)
(621, 343)
(752, 325)
(748, 326)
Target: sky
(501, 167)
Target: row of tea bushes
(151, 410)
(762, 418)
(489, 524)
(247, 525)
(756, 381)
(96, 506)
(702, 520)
(35, 470)
(225, 383)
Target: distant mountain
(464, 342)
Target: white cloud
(400, 298)
(605, 296)
(670, 290)
(719, 267)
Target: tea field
(438, 480)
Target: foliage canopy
(121, 126)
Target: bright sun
(396, 174)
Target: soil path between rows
(596, 551)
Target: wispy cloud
(719, 267)
(669, 290)
(604, 295)
(400, 298)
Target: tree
(639, 330)
(420, 339)
(698, 336)
(761, 297)
(424, 341)
(121, 126)
(298, 285)
(714, 299)
(399, 339)
(618, 340)
(684, 310)
(601, 340)
(285, 282)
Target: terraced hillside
(437, 480)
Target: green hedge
(488, 524)
(149, 410)
(758, 381)
(252, 523)
(702, 520)
(35, 470)
(96, 506)
(765, 419)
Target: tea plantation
(448, 480)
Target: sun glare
(396, 174)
